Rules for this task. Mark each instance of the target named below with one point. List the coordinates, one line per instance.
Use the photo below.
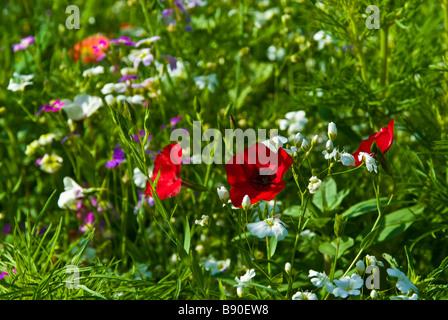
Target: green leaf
(330, 247)
(327, 198)
(369, 238)
(397, 222)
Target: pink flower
(24, 43)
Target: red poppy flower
(90, 49)
(257, 172)
(168, 162)
(382, 138)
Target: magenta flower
(98, 50)
(117, 158)
(123, 40)
(51, 107)
(24, 43)
(89, 220)
(4, 274)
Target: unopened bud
(305, 146)
(360, 267)
(246, 203)
(329, 146)
(332, 131)
(314, 140)
(288, 267)
(298, 138)
(223, 194)
(339, 225)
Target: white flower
(370, 161)
(216, 266)
(374, 261)
(139, 178)
(136, 99)
(147, 41)
(402, 297)
(320, 280)
(275, 143)
(295, 122)
(246, 202)
(93, 71)
(46, 139)
(330, 151)
(32, 148)
(203, 222)
(83, 106)
(304, 296)
(242, 281)
(23, 81)
(348, 286)
(305, 145)
(307, 234)
(119, 87)
(72, 193)
(210, 81)
(50, 163)
(223, 195)
(275, 54)
(404, 284)
(322, 39)
(314, 184)
(347, 159)
(268, 228)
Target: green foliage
(269, 58)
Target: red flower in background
(168, 162)
(382, 138)
(90, 49)
(247, 173)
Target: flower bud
(298, 138)
(288, 267)
(329, 146)
(360, 267)
(339, 225)
(240, 292)
(305, 146)
(223, 194)
(332, 131)
(374, 294)
(246, 203)
(314, 140)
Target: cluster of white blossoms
(19, 82)
(351, 285)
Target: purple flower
(24, 43)
(172, 61)
(148, 199)
(117, 158)
(141, 134)
(123, 40)
(144, 56)
(128, 77)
